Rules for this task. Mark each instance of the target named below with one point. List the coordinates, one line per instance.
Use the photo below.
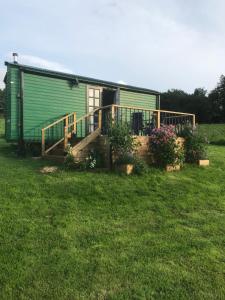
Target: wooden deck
(84, 131)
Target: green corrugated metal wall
(12, 106)
(137, 99)
(46, 99)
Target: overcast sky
(154, 44)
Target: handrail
(65, 138)
(93, 111)
(58, 121)
(152, 110)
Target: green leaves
(121, 141)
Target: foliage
(69, 162)
(208, 108)
(2, 100)
(125, 159)
(196, 103)
(164, 148)
(72, 235)
(217, 101)
(121, 140)
(140, 166)
(194, 146)
(92, 161)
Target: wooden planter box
(203, 162)
(171, 168)
(126, 169)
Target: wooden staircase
(85, 142)
(74, 134)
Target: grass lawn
(72, 235)
(214, 132)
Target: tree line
(208, 107)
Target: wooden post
(100, 118)
(193, 121)
(113, 114)
(43, 142)
(158, 119)
(66, 132)
(74, 122)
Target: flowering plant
(164, 146)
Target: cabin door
(93, 102)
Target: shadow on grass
(9, 152)
(218, 143)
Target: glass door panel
(94, 101)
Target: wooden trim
(43, 142)
(158, 119)
(100, 119)
(53, 146)
(65, 137)
(87, 140)
(113, 113)
(74, 122)
(193, 121)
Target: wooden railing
(140, 121)
(57, 132)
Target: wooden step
(86, 141)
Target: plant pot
(172, 168)
(203, 162)
(126, 169)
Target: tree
(217, 101)
(2, 94)
(200, 92)
(196, 103)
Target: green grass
(214, 132)
(72, 235)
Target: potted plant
(195, 148)
(123, 145)
(166, 151)
(125, 164)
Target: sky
(159, 44)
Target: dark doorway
(108, 97)
(137, 122)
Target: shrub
(92, 161)
(121, 140)
(69, 162)
(164, 148)
(124, 159)
(195, 146)
(140, 166)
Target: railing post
(100, 118)
(113, 114)
(158, 119)
(43, 142)
(74, 122)
(193, 120)
(66, 132)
